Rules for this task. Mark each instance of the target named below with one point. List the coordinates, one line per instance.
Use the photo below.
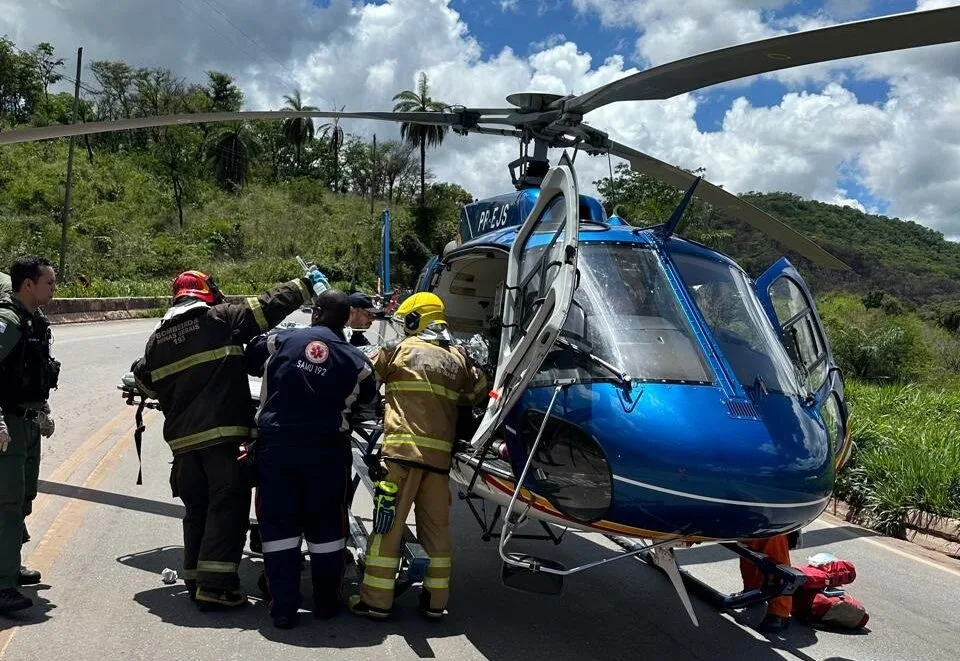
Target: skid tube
(778, 580)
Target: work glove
(4, 435)
(384, 507)
(45, 422)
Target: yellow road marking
(65, 471)
(68, 521)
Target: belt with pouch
(23, 412)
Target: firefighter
(426, 379)
(27, 374)
(313, 380)
(777, 548)
(193, 365)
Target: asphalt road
(101, 542)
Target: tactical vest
(28, 373)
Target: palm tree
(334, 132)
(229, 152)
(297, 130)
(420, 135)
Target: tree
(333, 133)
(229, 152)
(420, 135)
(222, 93)
(47, 66)
(298, 130)
(21, 90)
(397, 165)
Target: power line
(256, 43)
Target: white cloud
(509, 5)
(905, 151)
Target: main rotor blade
(65, 130)
(877, 35)
(730, 203)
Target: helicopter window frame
(801, 332)
(525, 308)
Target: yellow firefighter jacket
(424, 384)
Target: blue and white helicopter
(644, 387)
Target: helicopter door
(541, 279)
(789, 305)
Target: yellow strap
(419, 441)
(189, 574)
(195, 359)
(440, 562)
(307, 296)
(377, 583)
(215, 567)
(385, 561)
(254, 305)
(422, 386)
(436, 583)
(209, 435)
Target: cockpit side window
(729, 305)
(800, 331)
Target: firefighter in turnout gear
(193, 365)
(426, 380)
(313, 383)
(27, 374)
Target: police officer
(313, 381)
(193, 365)
(426, 379)
(27, 374)
(362, 313)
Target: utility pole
(373, 174)
(66, 198)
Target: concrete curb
(937, 533)
(78, 310)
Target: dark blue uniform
(313, 381)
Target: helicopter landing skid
(778, 580)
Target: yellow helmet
(419, 311)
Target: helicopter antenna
(613, 186)
(668, 228)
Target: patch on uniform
(3, 326)
(316, 352)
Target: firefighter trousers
(303, 492)
(428, 492)
(19, 471)
(777, 549)
(216, 494)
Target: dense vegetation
(242, 199)
(239, 199)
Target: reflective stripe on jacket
(194, 365)
(424, 382)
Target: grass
(906, 455)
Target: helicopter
(644, 386)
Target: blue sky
(527, 26)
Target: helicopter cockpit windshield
(624, 313)
(730, 307)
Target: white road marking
(880, 544)
(72, 340)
